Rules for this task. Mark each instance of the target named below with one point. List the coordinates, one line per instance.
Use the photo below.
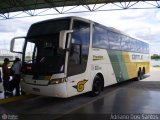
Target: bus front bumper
(54, 90)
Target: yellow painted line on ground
(15, 98)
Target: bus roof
(60, 18)
(89, 21)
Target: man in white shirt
(0, 78)
(17, 74)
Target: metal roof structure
(10, 9)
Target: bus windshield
(44, 56)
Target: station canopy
(30, 6)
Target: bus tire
(139, 75)
(97, 86)
(143, 72)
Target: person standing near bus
(0, 78)
(17, 74)
(0, 75)
(6, 75)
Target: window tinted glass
(145, 47)
(100, 38)
(108, 39)
(114, 40)
(133, 45)
(48, 27)
(125, 43)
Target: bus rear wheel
(140, 75)
(97, 86)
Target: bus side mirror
(63, 37)
(17, 44)
(12, 45)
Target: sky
(141, 23)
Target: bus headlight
(22, 79)
(57, 81)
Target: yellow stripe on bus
(132, 67)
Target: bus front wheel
(97, 86)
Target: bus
(68, 56)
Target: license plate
(36, 89)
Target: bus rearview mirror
(12, 45)
(16, 44)
(63, 37)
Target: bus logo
(80, 85)
(137, 57)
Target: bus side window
(79, 49)
(75, 55)
(114, 40)
(100, 37)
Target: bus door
(77, 59)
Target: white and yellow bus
(68, 56)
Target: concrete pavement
(130, 100)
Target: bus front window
(29, 52)
(45, 57)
